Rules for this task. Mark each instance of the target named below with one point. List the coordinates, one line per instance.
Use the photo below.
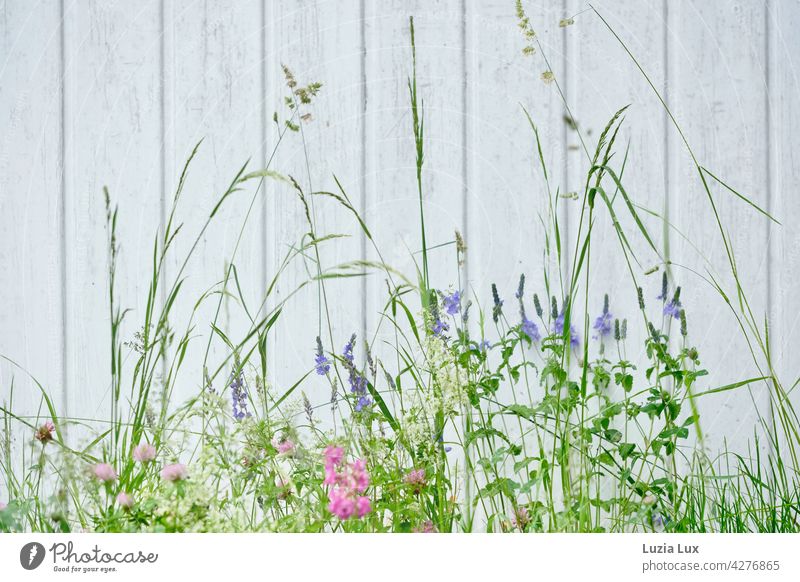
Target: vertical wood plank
(319, 41)
(213, 92)
(506, 183)
(113, 136)
(717, 55)
(392, 206)
(31, 236)
(604, 80)
(783, 19)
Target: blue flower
(558, 329)
(452, 303)
(358, 383)
(530, 329)
(673, 309)
(322, 363)
(363, 402)
(485, 345)
(238, 395)
(439, 327)
(604, 321)
(347, 353)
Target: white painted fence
(98, 92)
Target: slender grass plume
(526, 416)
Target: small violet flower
(439, 327)
(104, 472)
(358, 383)
(321, 362)
(238, 395)
(673, 308)
(558, 328)
(144, 453)
(452, 303)
(530, 329)
(174, 472)
(604, 321)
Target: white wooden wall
(103, 92)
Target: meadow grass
(503, 419)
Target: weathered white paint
(119, 94)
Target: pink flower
(416, 479)
(2, 505)
(521, 518)
(285, 447)
(426, 527)
(124, 500)
(104, 472)
(333, 455)
(44, 434)
(144, 452)
(347, 481)
(363, 506)
(174, 472)
(359, 475)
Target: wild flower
(530, 329)
(673, 308)
(3, 505)
(416, 479)
(520, 288)
(144, 453)
(44, 434)
(104, 472)
(358, 383)
(321, 362)
(497, 309)
(348, 482)
(558, 329)
(239, 396)
(684, 331)
(664, 288)
(427, 526)
(124, 500)
(485, 345)
(521, 518)
(603, 322)
(438, 325)
(284, 446)
(175, 472)
(452, 303)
